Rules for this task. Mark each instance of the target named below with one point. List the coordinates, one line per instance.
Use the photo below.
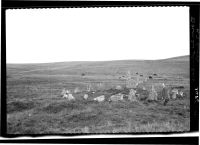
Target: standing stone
(165, 94)
(174, 93)
(132, 97)
(85, 96)
(153, 96)
(76, 90)
(118, 87)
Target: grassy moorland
(34, 104)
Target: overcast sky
(96, 34)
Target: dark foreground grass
(91, 117)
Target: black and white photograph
(98, 70)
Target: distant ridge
(166, 66)
(178, 58)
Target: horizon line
(102, 60)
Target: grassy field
(34, 104)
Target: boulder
(116, 97)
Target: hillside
(180, 58)
(171, 66)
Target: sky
(96, 34)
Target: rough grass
(18, 106)
(34, 104)
(69, 117)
